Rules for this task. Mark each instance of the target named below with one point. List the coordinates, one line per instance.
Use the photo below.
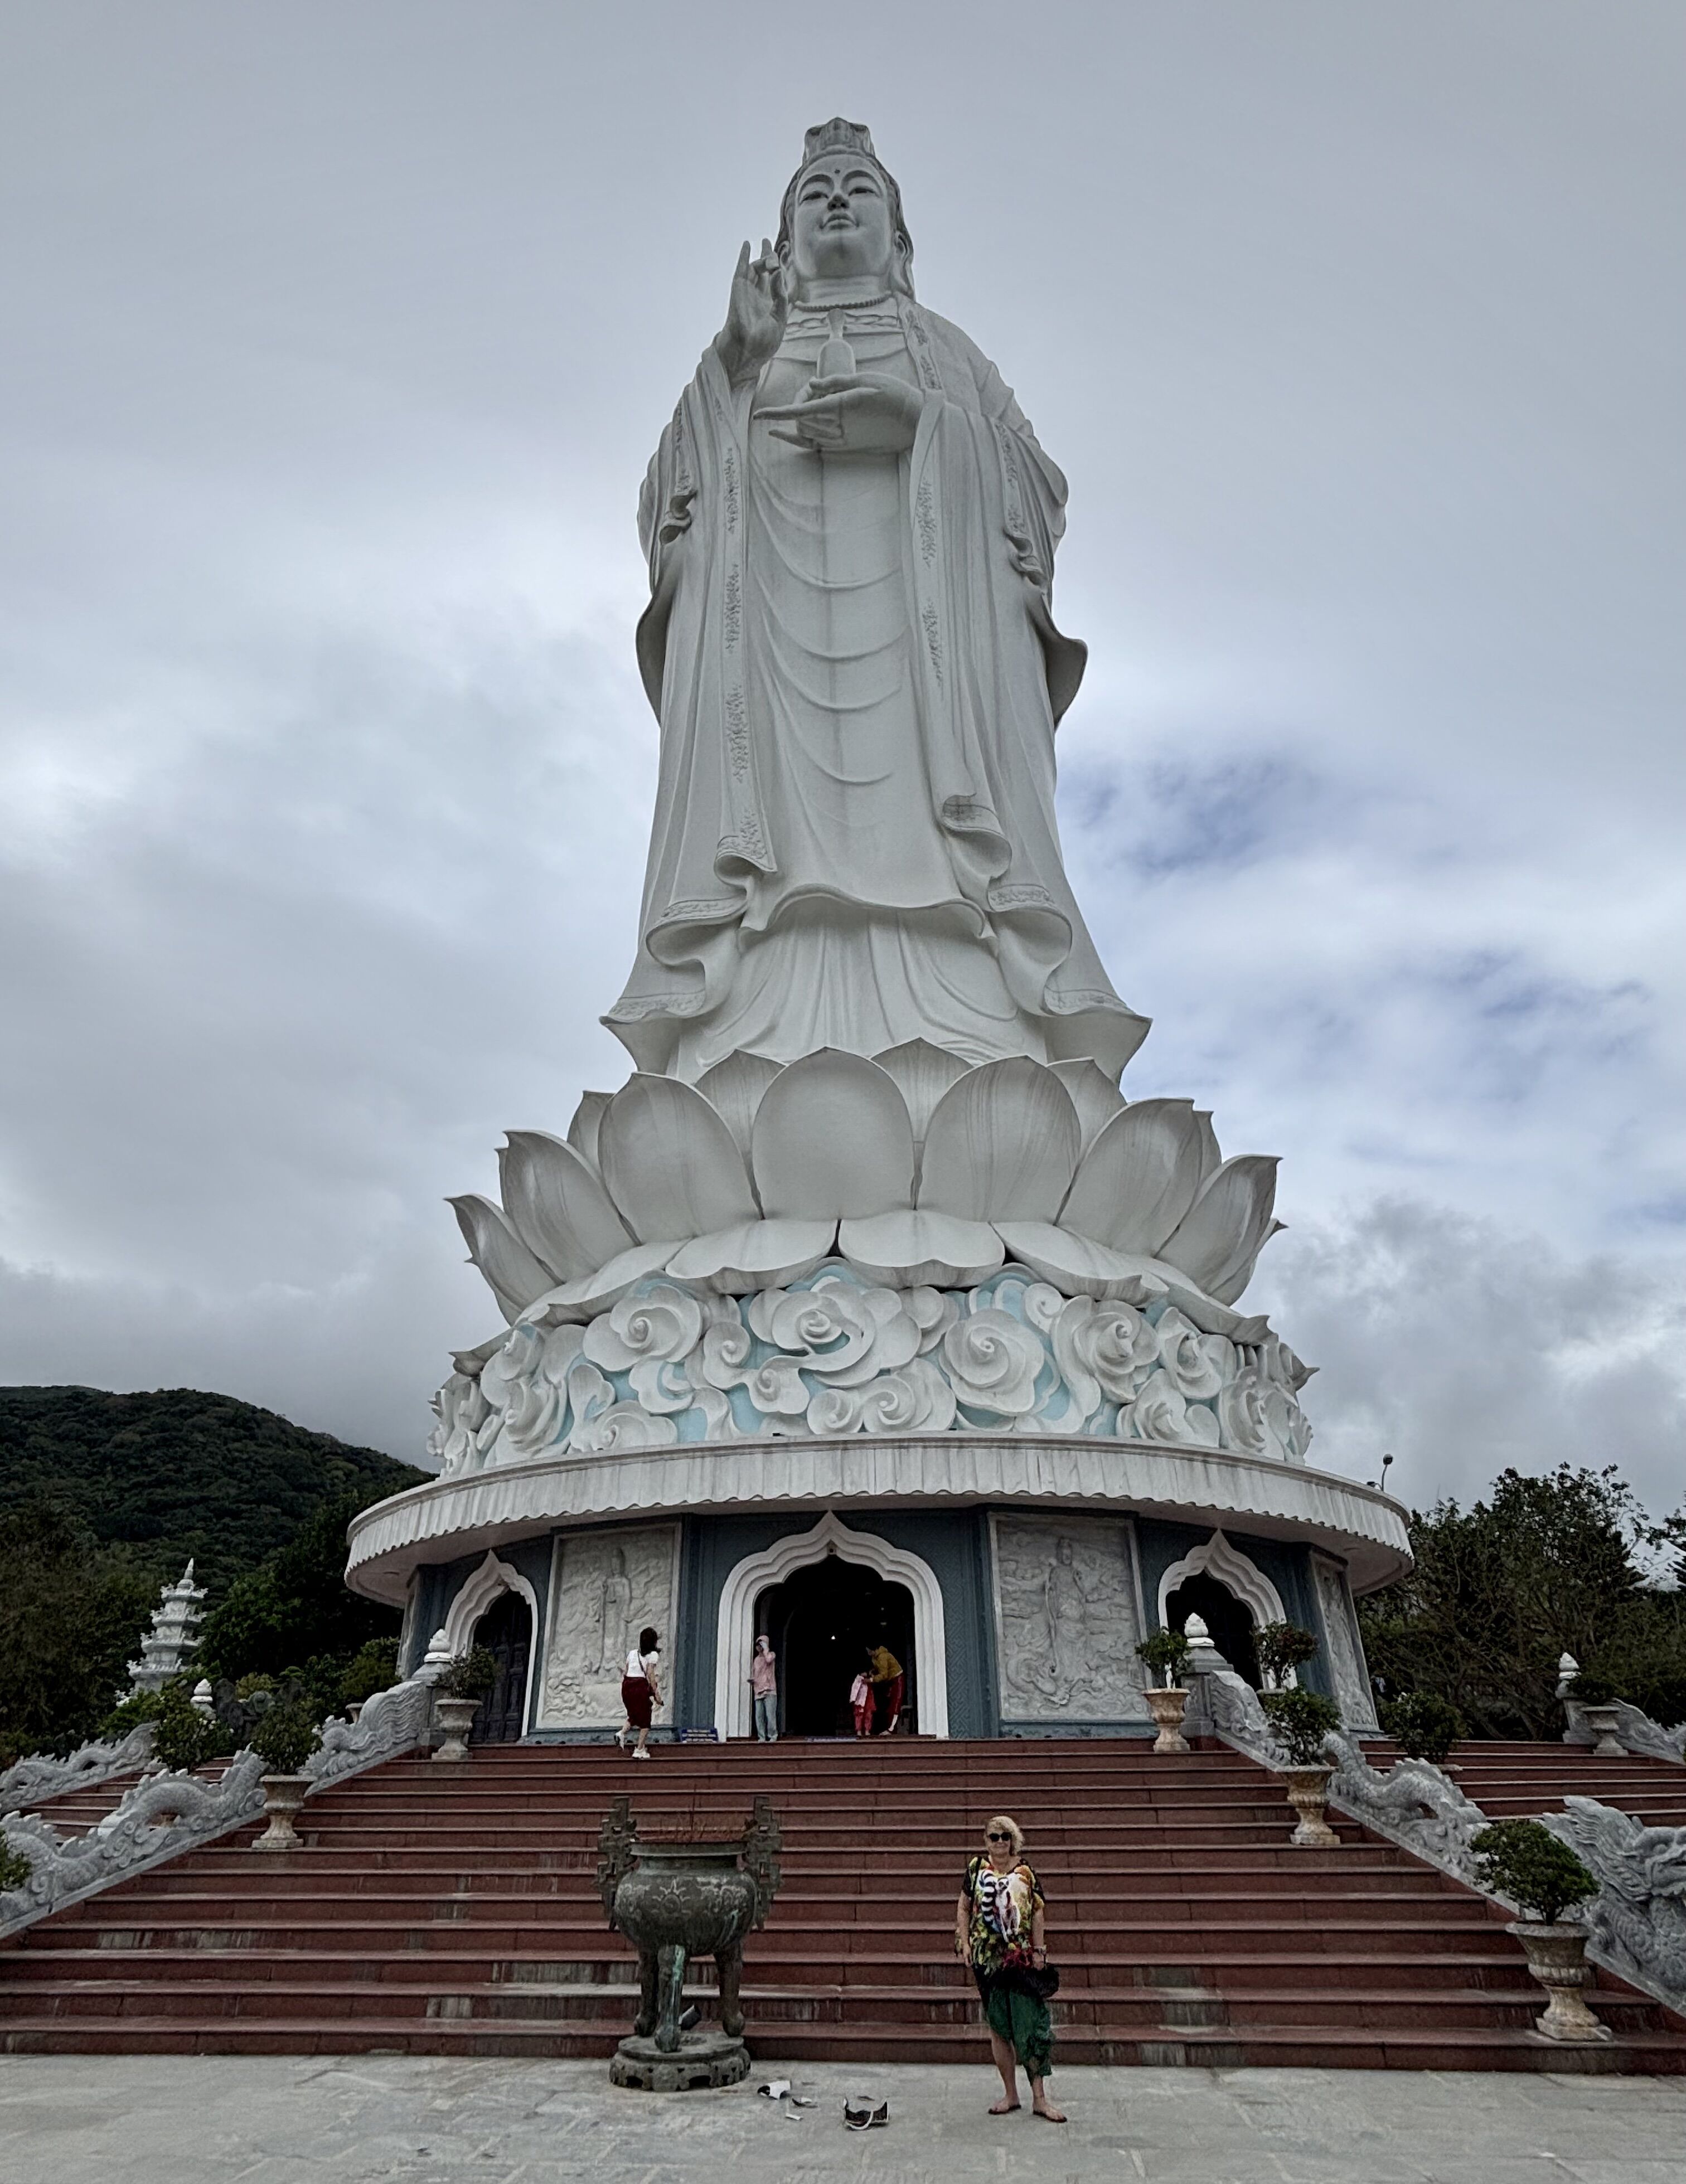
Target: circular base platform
(701, 2059)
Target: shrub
(286, 1737)
(1282, 1647)
(373, 1668)
(1592, 1690)
(129, 1713)
(470, 1676)
(184, 1739)
(1422, 1725)
(1301, 1720)
(1163, 1652)
(1542, 1876)
(15, 1866)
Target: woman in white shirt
(641, 1693)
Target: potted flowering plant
(1281, 1648)
(1596, 1696)
(284, 1737)
(462, 1684)
(1300, 1720)
(1544, 1879)
(1162, 1653)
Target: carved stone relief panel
(1346, 1648)
(605, 1587)
(1068, 1617)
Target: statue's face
(840, 228)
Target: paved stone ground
(401, 2119)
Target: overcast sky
(335, 341)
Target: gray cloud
(337, 343)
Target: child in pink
(861, 1699)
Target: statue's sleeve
(666, 505)
(1035, 484)
(1032, 515)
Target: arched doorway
(821, 1621)
(1229, 1620)
(506, 1630)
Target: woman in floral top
(999, 1923)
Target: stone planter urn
(455, 1717)
(675, 1900)
(1557, 1958)
(283, 1794)
(1602, 1722)
(1308, 1789)
(1166, 1704)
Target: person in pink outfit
(764, 1686)
(860, 1703)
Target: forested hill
(176, 1473)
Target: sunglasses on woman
(995, 1836)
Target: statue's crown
(838, 134)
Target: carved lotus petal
(923, 1073)
(513, 1274)
(1073, 1262)
(1092, 1094)
(587, 1120)
(907, 1250)
(1139, 1178)
(833, 1137)
(1002, 1145)
(558, 1206)
(598, 1292)
(670, 1163)
(754, 1255)
(1219, 1240)
(736, 1087)
(1211, 1155)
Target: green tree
(71, 1615)
(1548, 1565)
(176, 1472)
(295, 1608)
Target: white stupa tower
(174, 1638)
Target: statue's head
(841, 218)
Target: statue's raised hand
(759, 305)
(866, 413)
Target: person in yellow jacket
(888, 1685)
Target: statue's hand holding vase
(868, 413)
(755, 312)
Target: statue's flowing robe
(857, 676)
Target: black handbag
(1041, 1981)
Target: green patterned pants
(1022, 2019)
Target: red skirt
(635, 1697)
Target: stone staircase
(451, 1910)
(1519, 1781)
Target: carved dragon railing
(165, 1813)
(38, 1777)
(1637, 1922)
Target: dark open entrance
(506, 1630)
(1229, 1620)
(821, 1620)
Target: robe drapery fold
(803, 681)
